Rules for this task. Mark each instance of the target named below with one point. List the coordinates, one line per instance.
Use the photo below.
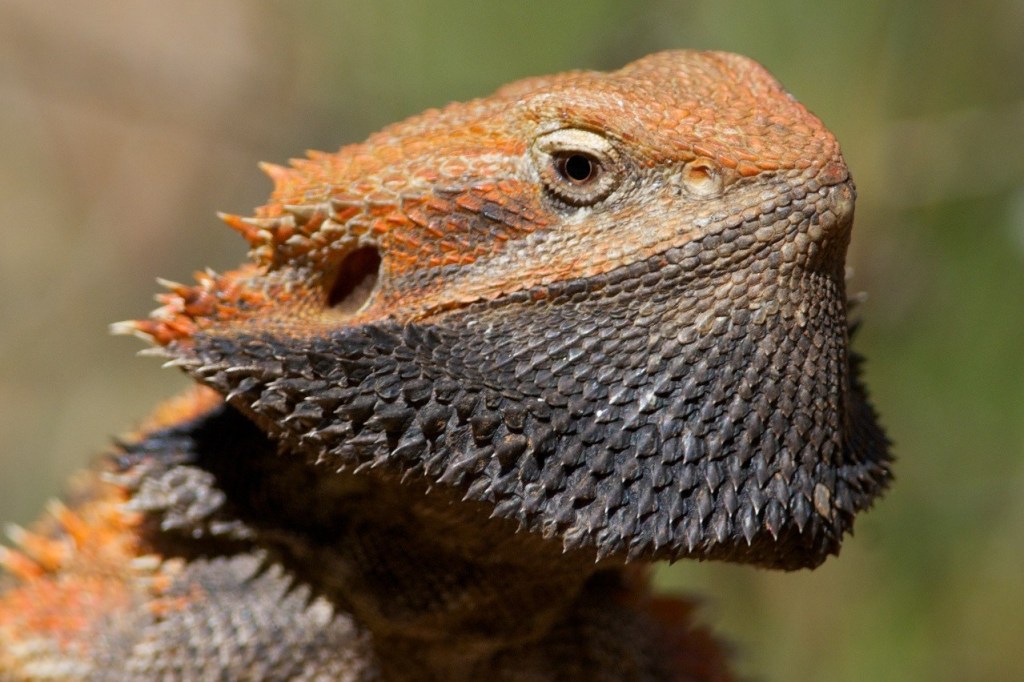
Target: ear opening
(355, 281)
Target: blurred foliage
(125, 125)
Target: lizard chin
(631, 419)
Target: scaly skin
(591, 317)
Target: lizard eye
(578, 167)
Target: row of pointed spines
(36, 554)
(494, 450)
(96, 543)
(300, 228)
(173, 480)
(308, 214)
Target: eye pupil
(578, 168)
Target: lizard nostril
(355, 280)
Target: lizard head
(610, 305)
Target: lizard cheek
(355, 281)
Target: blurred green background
(124, 126)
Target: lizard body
(476, 363)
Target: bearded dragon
(480, 371)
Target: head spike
(176, 288)
(18, 564)
(303, 213)
(256, 231)
(162, 331)
(140, 329)
(47, 553)
(279, 174)
(154, 352)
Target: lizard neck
(444, 591)
(449, 593)
(440, 585)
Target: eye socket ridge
(577, 167)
